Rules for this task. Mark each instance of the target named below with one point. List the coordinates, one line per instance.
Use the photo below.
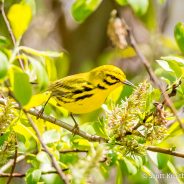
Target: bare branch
(20, 175)
(60, 123)
(11, 162)
(54, 162)
(10, 31)
(165, 151)
(14, 164)
(154, 78)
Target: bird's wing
(70, 86)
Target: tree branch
(154, 78)
(84, 135)
(165, 151)
(20, 175)
(11, 162)
(54, 162)
(10, 31)
(60, 123)
(14, 163)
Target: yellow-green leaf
(21, 87)
(19, 16)
(3, 65)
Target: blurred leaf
(150, 17)
(37, 100)
(19, 16)
(21, 87)
(34, 52)
(33, 176)
(131, 169)
(139, 6)
(122, 2)
(51, 136)
(3, 65)
(32, 4)
(99, 127)
(51, 69)
(36, 175)
(176, 59)
(119, 176)
(81, 143)
(4, 138)
(164, 65)
(172, 63)
(81, 9)
(43, 158)
(162, 160)
(174, 172)
(179, 35)
(4, 41)
(40, 72)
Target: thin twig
(73, 151)
(59, 123)
(54, 162)
(154, 78)
(14, 164)
(10, 31)
(11, 162)
(20, 175)
(165, 151)
(84, 135)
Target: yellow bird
(86, 92)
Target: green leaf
(172, 63)
(164, 65)
(139, 6)
(40, 72)
(3, 65)
(99, 127)
(33, 176)
(51, 136)
(81, 9)
(40, 53)
(174, 172)
(162, 160)
(19, 16)
(36, 175)
(43, 158)
(4, 138)
(131, 169)
(119, 178)
(21, 87)
(122, 2)
(4, 41)
(179, 35)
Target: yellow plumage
(86, 92)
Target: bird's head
(108, 76)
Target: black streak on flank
(101, 87)
(82, 90)
(83, 97)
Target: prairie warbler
(86, 92)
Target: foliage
(128, 126)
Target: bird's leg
(43, 108)
(76, 126)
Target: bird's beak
(129, 83)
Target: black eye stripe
(112, 77)
(108, 82)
